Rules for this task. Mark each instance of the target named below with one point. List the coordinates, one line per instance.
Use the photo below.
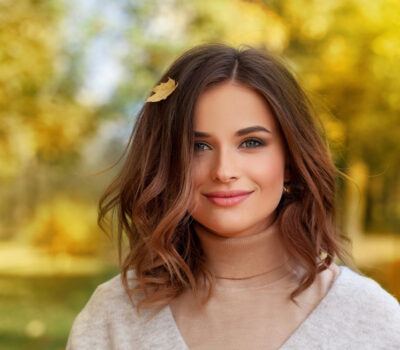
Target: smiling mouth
(228, 201)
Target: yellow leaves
(335, 130)
(387, 45)
(162, 90)
(338, 55)
(65, 225)
(243, 22)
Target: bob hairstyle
(153, 190)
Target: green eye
(198, 146)
(249, 143)
(253, 143)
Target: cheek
(267, 175)
(200, 174)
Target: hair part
(152, 192)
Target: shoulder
(109, 296)
(111, 293)
(364, 306)
(365, 291)
(108, 311)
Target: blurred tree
(343, 52)
(351, 64)
(40, 123)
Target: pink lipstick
(227, 198)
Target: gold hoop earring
(286, 189)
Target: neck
(247, 257)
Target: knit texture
(356, 313)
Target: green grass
(37, 312)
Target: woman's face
(238, 147)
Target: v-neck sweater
(249, 309)
(250, 306)
(356, 313)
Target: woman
(227, 199)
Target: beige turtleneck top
(250, 307)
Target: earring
(286, 189)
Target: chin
(226, 228)
(231, 224)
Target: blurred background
(73, 75)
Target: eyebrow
(240, 132)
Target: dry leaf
(162, 90)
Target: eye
(199, 146)
(253, 143)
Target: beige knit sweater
(250, 308)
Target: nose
(225, 166)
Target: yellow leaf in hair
(162, 90)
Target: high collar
(258, 258)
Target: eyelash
(260, 143)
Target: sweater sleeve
(357, 313)
(370, 316)
(109, 321)
(89, 329)
(382, 312)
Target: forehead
(231, 105)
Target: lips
(227, 198)
(224, 194)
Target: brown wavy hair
(152, 192)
